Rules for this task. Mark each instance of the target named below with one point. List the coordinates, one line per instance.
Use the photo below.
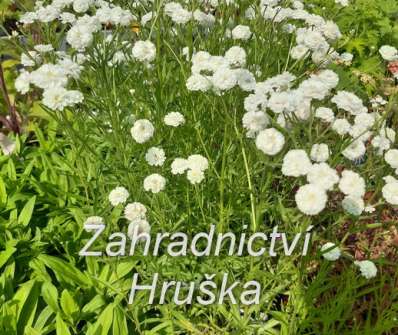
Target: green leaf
(27, 298)
(31, 331)
(68, 304)
(50, 295)
(6, 254)
(61, 327)
(3, 192)
(12, 174)
(96, 303)
(27, 211)
(104, 322)
(43, 318)
(119, 326)
(65, 272)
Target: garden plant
(156, 153)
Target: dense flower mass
(232, 113)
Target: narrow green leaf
(27, 211)
(6, 254)
(65, 272)
(68, 304)
(61, 327)
(50, 295)
(27, 298)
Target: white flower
(346, 58)
(343, 3)
(174, 119)
(93, 220)
(351, 183)
(134, 211)
(246, 80)
(195, 176)
(390, 192)
(365, 120)
(144, 51)
(138, 227)
(79, 37)
(320, 152)
(355, 150)
(154, 183)
(353, 205)
(323, 176)
(311, 199)
(391, 158)
(22, 82)
(43, 48)
(236, 56)
(118, 196)
(198, 162)
(241, 32)
(142, 130)
(349, 102)
(270, 141)
(299, 51)
(197, 82)
(81, 6)
(7, 145)
(49, 76)
(296, 163)
(57, 98)
(67, 18)
(341, 126)
(206, 20)
(390, 179)
(224, 79)
(146, 18)
(280, 102)
(368, 268)
(254, 122)
(179, 166)
(388, 53)
(381, 142)
(325, 114)
(155, 156)
(31, 59)
(330, 251)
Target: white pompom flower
(118, 196)
(270, 141)
(353, 205)
(142, 131)
(368, 268)
(174, 119)
(195, 176)
(144, 51)
(134, 211)
(330, 251)
(138, 227)
(154, 183)
(155, 156)
(311, 199)
(179, 166)
(296, 163)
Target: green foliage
(66, 163)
